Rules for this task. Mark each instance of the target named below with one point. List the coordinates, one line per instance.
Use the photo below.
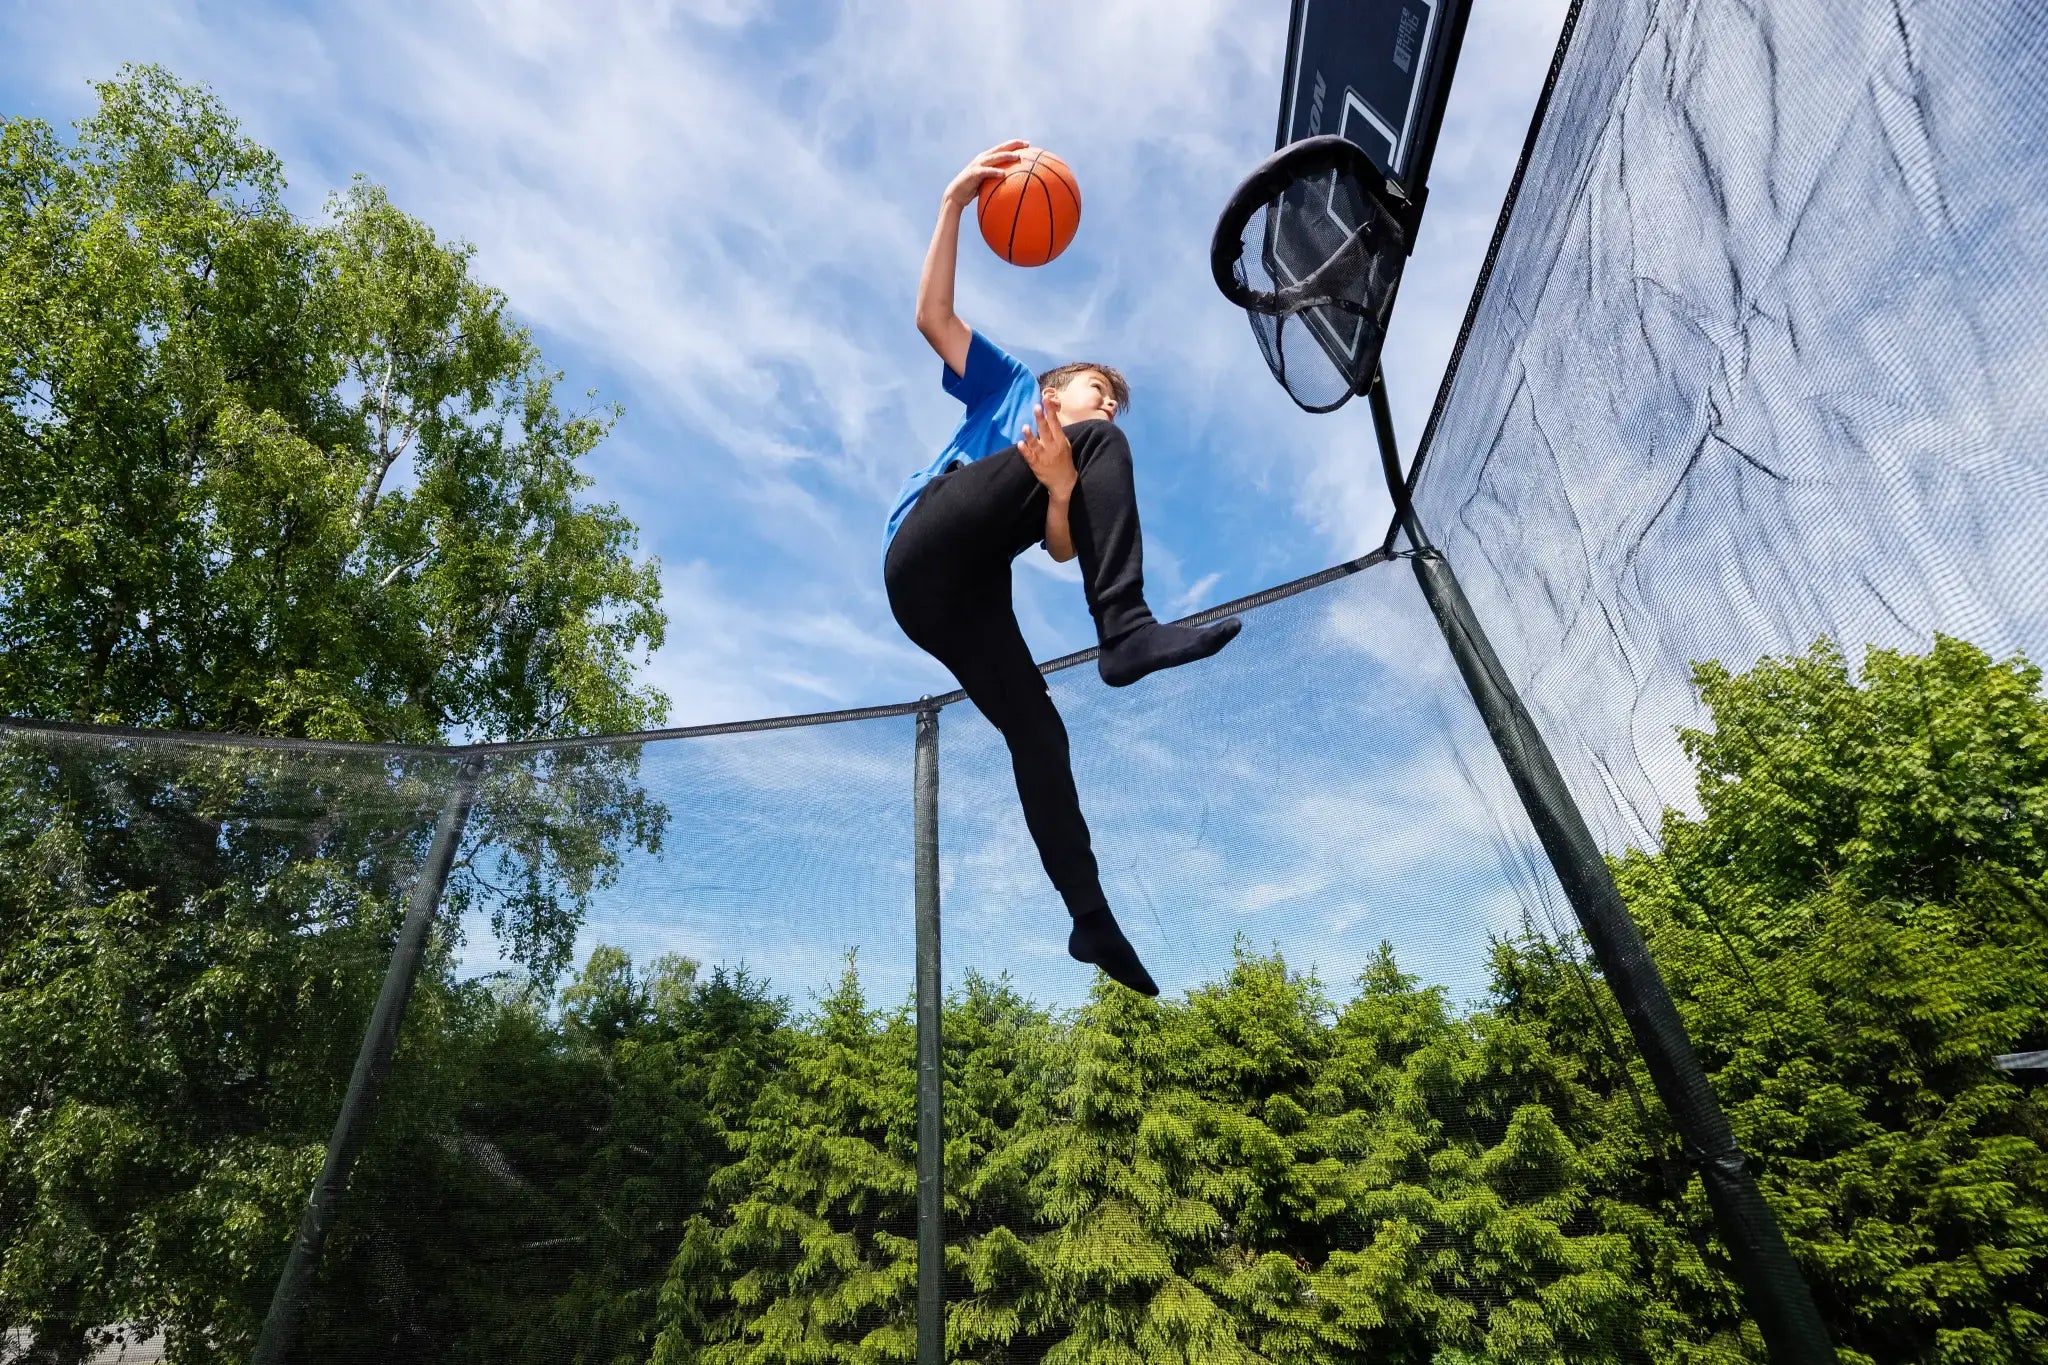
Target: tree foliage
(663, 1165)
(1852, 924)
(302, 479)
(1855, 925)
(284, 477)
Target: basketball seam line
(1051, 223)
(1017, 215)
(1073, 190)
(1065, 176)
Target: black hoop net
(1310, 248)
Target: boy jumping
(1036, 460)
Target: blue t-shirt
(999, 392)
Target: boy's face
(1084, 397)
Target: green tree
(811, 1252)
(681, 1080)
(1000, 1059)
(1197, 1180)
(282, 477)
(1854, 925)
(1122, 1187)
(811, 1255)
(528, 1215)
(207, 406)
(1393, 1273)
(185, 982)
(1271, 1158)
(1560, 1178)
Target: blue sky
(714, 213)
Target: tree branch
(386, 456)
(388, 579)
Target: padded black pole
(1773, 1286)
(931, 1190)
(373, 1063)
(1390, 462)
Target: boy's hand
(996, 161)
(1047, 450)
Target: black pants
(948, 576)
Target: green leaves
(300, 478)
(663, 1164)
(1249, 1175)
(283, 477)
(1933, 764)
(1854, 928)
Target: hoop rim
(1296, 161)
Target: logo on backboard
(1404, 40)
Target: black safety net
(1741, 467)
(1743, 464)
(191, 940)
(1760, 362)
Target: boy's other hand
(1047, 450)
(996, 161)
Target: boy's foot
(1098, 941)
(1152, 647)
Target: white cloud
(728, 661)
(1195, 596)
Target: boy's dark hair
(1118, 389)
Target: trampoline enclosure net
(1744, 466)
(1742, 400)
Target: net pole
(1773, 1286)
(931, 1229)
(373, 1063)
(1775, 1290)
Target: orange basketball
(1029, 215)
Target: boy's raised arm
(936, 320)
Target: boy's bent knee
(1097, 438)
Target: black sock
(1154, 646)
(1097, 940)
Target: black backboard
(1377, 73)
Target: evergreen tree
(1001, 1070)
(1395, 1047)
(1270, 1160)
(1570, 1164)
(813, 1255)
(1121, 1184)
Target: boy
(1035, 460)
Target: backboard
(1377, 73)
